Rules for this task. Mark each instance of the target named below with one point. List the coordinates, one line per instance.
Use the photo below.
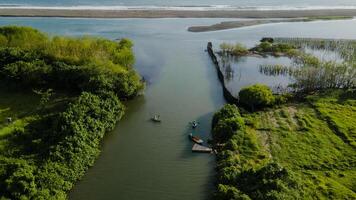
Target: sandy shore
(252, 22)
(20, 12)
(237, 24)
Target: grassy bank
(62, 96)
(300, 150)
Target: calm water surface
(238, 73)
(142, 160)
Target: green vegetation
(233, 49)
(299, 150)
(245, 170)
(275, 49)
(303, 149)
(345, 48)
(338, 109)
(328, 18)
(62, 95)
(308, 72)
(256, 96)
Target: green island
(59, 96)
(298, 144)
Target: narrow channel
(154, 161)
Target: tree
(226, 128)
(18, 180)
(45, 96)
(256, 96)
(228, 111)
(227, 192)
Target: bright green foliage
(256, 96)
(235, 50)
(275, 48)
(228, 111)
(45, 151)
(226, 192)
(244, 171)
(226, 128)
(295, 151)
(17, 180)
(23, 37)
(339, 110)
(312, 157)
(76, 64)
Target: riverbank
(60, 12)
(49, 144)
(296, 150)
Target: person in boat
(194, 124)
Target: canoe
(156, 119)
(195, 139)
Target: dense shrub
(51, 153)
(256, 96)
(228, 111)
(226, 128)
(226, 192)
(269, 182)
(269, 47)
(233, 49)
(243, 171)
(32, 59)
(23, 37)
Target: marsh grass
(305, 143)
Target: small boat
(156, 118)
(195, 139)
(194, 124)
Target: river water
(143, 160)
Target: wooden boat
(156, 118)
(195, 139)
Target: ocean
(183, 4)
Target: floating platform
(201, 149)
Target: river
(143, 160)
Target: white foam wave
(177, 8)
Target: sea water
(184, 4)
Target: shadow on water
(216, 93)
(203, 130)
(139, 103)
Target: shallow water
(142, 160)
(246, 71)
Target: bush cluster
(243, 170)
(256, 96)
(50, 154)
(233, 49)
(275, 48)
